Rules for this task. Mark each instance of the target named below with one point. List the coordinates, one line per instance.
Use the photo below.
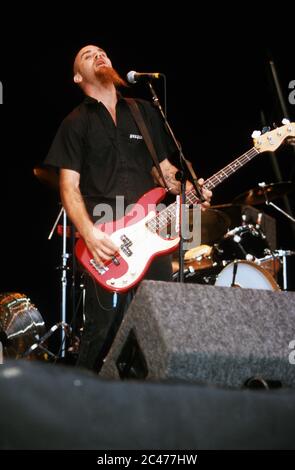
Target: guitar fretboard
(167, 216)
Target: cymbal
(214, 224)
(47, 176)
(256, 195)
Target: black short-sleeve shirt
(112, 160)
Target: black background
(218, 83)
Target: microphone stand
(186, 173)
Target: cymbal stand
(269, 203)
(64, 268)
(283, 253)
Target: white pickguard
(145, 244)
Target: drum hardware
(195, 260)
(199, 276)
(267, 199)
(252, 245)
(283, 254)
(235, 269)
(243, 242)
(41, 343)
(50, 178)
(271, 262)
(264, 194)
(189, 271)
(20, 324)
(63, 268)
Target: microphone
(134, 77)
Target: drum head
(20, 324)
(246, 274)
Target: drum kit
(240, 256)
(21, 325)
(230, 256)
(23, 334)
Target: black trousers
(102, 319)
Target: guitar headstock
(271, 140)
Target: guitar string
(245, 158)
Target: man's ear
(77, 78)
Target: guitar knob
(285, 121)
(255, 134)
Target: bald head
(92, 66)
(85, 54)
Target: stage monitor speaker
(206, 334)
(54, 407)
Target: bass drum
(246, 274)
(21, 325)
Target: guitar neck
(168, 215)
(223, 174)
(231, 168)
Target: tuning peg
(256, 134)
(285, 121)
(265, 129)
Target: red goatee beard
(108, 75)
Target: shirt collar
(90, 100)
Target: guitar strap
(137, 115)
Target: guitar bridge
(100, 269)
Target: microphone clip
(134, 77)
